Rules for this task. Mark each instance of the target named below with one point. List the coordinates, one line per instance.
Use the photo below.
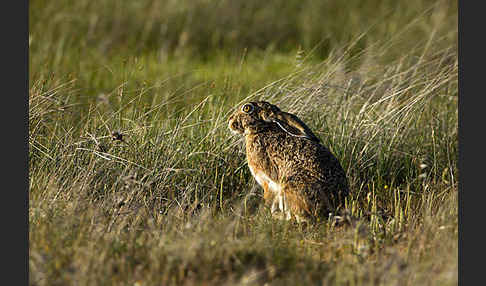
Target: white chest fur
(263, 179)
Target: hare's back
(308, 160)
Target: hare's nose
(231, 123)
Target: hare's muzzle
(235, 125)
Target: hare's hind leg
(297, 203)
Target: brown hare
(301, 178)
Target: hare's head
(255, 116)
(252, 117)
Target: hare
(301, 179)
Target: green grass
(174, 202)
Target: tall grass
(134, 178)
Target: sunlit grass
(134, 178)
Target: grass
(174, 203)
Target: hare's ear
(293, 125)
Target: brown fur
(311, 179)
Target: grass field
(174, 203)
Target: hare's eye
(247, 108)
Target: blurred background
(79, 38)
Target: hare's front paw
(279, 208)
(282, 215)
